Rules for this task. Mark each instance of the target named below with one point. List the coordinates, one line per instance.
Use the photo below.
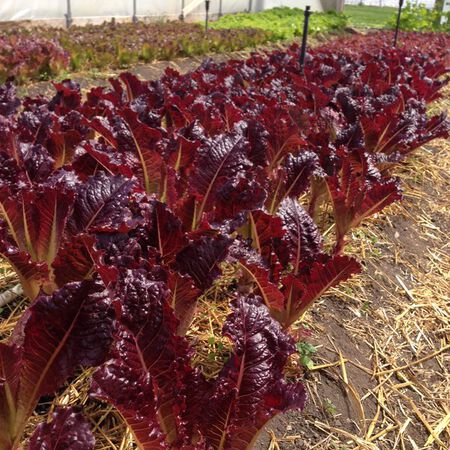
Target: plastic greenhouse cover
(56, 9)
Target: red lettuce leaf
(183, 299)
(284, 135)
(292, 179)
(166, 233)
(135, 142)
(78, 323)
(103, 205)
(79, 259)
(201, 259)
(9, 102)
(250, 388)
(354, 198)
(148, 364)
(36, 219)
(32, 275)
(220, 161)
(302, 241)
(301, 292)
(263, 229)
(68, 430)
(237, 196)
(260, 277)
(125, 383)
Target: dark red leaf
(166, 233)
(103, 205)
(78, 324)
(302, 292)
(68, 430)
(220, 160)
(250, 388)
(148, 364)
(183, 299)
(302, 239)
(201, 259)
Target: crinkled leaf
(201, 259)
(79, 259)
(166, 233)
(293, 178)
(354, 199)
(78, 324)
(68, 430)
(148, 364)
(250, 388)
(103, 204)
(302, 239)
(220, 160)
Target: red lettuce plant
(169, 404)
(24, 58)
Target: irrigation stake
(305, 37)
(400, 4)
(182, 11)
(207, 2)
(134, 18)
(68, 15)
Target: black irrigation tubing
(305, 37)
(207, 2)
(400, 4)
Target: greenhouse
(224, 225)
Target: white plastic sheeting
(394, 3)
(85, 9)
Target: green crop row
(283, 22)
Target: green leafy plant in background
(420, 18)
(40, 53)
(283, 22)
(364, 16)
